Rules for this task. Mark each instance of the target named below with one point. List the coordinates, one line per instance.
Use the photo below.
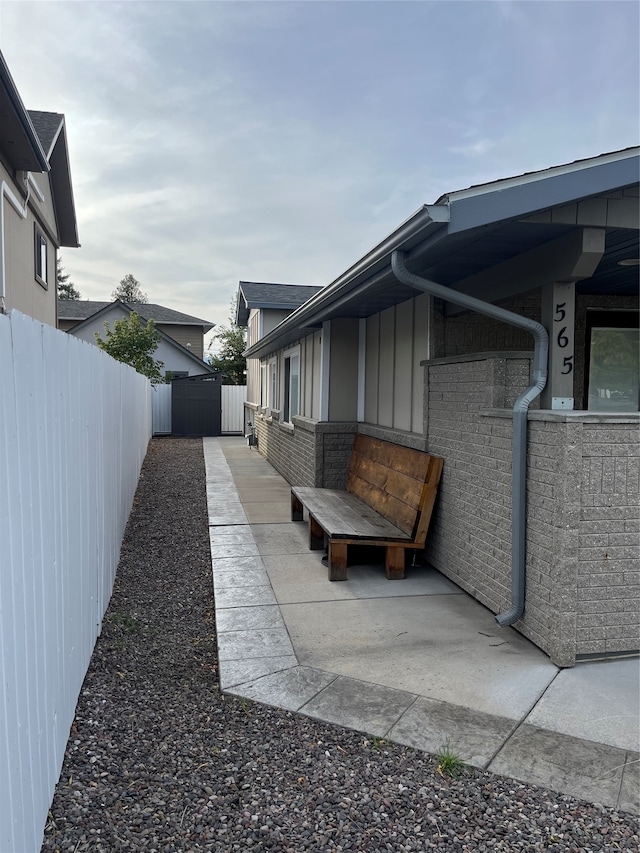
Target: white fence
(161, 409)
(74, 428)
(233, 397)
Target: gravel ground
(159, 760)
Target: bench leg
(337, 561)
(394, 562)
(316, 535)
(296, 508)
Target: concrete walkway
(417, 661)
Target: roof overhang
(62, 189)
(18, 138)
(468, 232)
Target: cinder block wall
(583, 565)
(318, 453)
(292, 452)
(608, 587)
(311, 453)
(582, 508)
(470, 536)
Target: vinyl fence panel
(74, 428)
(161, 409)
(233, 398)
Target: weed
(449, 764)
(128, 622)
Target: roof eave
(465, 212)
(38, 161)
(427, 220)
(63, 191)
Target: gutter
(520, 412)
(409, 233)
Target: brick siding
(608, 582)
(582, 508)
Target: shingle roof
(46, 126)
(82, 309)
(257, 294)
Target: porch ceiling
(464, 255)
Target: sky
(217, 142)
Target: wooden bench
(390, 495)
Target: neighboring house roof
(84, 309)
(131, 307)
(256, 294)
(469, 231)
(52, 134)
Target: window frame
(263, 384)
(606, 320)
(272, 383)
(41, 257)
(288, 377)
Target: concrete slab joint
(423, 664)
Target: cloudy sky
(213, 142)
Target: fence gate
(196, 405)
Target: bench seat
(341, 515)
(388, 503)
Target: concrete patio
(417, 661)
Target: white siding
(74, 428)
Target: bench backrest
(398, 482)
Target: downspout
(520, 412)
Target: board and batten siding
(74, 429)
(396, 343)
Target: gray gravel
(159, 760)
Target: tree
(66, 289)
(134, 343)
(229, 360)
(129, 290)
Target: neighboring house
(181, 348)
(261, 306)
(383, 353)
(37, 213)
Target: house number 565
(562, 339)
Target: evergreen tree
(134, 343)
(129, 290)
(229, 359)
(66, 289)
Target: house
(181, 348)
(37, 212)
(260, 307)
(497, 328)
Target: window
(41, 258)
(613, 361)
(273, 384)
(268, 384)
(263, 385)
(291, 403)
